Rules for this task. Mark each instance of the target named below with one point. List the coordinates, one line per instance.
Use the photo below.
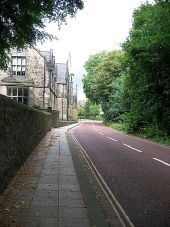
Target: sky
(101, 25)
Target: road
(136, 171)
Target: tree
(148, 83)
(81, 112)
(104, 80)
(90, 78)
(114, 109)
(106, 72)
(22, 22)
(89, 110)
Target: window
(19, 94)
(18, 66)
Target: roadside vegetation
(132, 85)
(89, 111)
(151, 134)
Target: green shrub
(152, 132)
(133, 122)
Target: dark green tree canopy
(133, 85)
(22, 21)
(148, 54)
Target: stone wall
(74, 115)
(62, 108)
(54, 118)
(66, 123)
(21, 129)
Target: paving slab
(73, 212)
(70, 202)
(49, 187)
(67, 171)
(49, 192)
(73, 222)
(41, 222)
(43, 211)
(70, 195)
(45, 192)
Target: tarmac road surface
(136, 171)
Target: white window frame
(18, 65)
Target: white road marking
(137, 138)
(101, 133)
(94, 127)
(165, 163)
(111, 138)
(105, 189)
(132, 147)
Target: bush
(152, 132)
(133, 122)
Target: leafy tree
(114, 108)
(104, 80)
(106, 73)
(81, 112)
(94, 109)
(89, 110)
(22, 22)
(148, 84)
(89, 79)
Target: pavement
(47, 191)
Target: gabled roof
(61, 72)
(47, 55)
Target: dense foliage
(104, 80)
(89, 110)
(22, 22)
(148, 56)
(133, 86)
(89, 79)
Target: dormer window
(18, 66)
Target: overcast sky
(101, 25)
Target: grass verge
(156, 138)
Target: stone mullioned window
(19, 94)
(18, 66)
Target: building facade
(35, 79)
(62, 89)
(67, 95)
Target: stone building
(74, 105)
(29, 78)
(33, 78)
(61, 70)
(66, 96)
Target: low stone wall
(55, 119)
(21, 129)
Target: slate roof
(47, 55)
(61, 73)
